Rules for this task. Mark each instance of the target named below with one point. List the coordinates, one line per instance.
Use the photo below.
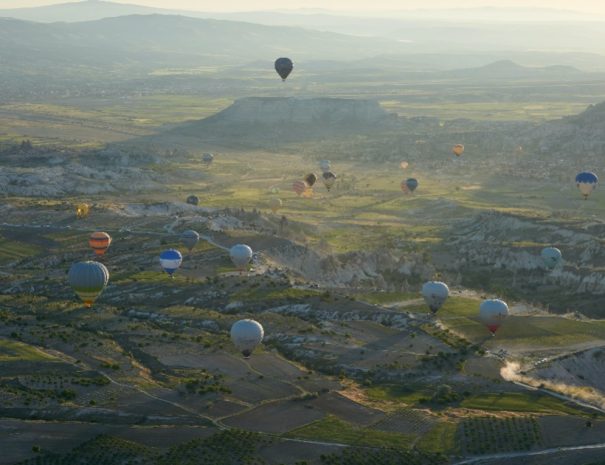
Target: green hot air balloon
(88, 279)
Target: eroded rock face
(46, 173)
(579, 134)
(508, 247)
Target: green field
(333, 429)
(520, 402)
(13, 351)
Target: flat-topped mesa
(330, 111)
(290, 118)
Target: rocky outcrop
(268, 120)
(500, 250)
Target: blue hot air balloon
(586, 182)
(171, 260)
(551, 257)
(411, 184)
(284, 67)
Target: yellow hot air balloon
(458, 149)
(82, 210)
(275, 204)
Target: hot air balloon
(171, 260)
(551, 257)
(284, 67)
(99, 242)
(409, 185)
(586, 182)
(82, 210)
(325, 166)
(193, 200)
(329, 179)
(404, 165)
(246, 336)
(275, 204)
(190, 239)
(299, 187)
(458, 149)
(241, 255)
(492, 314)
(207, 159)
(310, 179)
(274, 190)
(435, 294)
(88, 279)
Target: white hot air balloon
(241, 255)
(246, 335)
(551, 257)
(190, 238)
(492, 314)
(435, 294)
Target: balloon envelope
(247, 335)
(492, 313)
(586, 182)
(207, 158)
(404, 165)
(82, 210)
(88, 279)
(190, 238)
(275, 204)
(458, 149)
(310, 179)
(325, 165)
(435, 294)
(284, 67)
(329, 179)
(411, 184)
(241, 255)
(193, 200)
(171, 260)
(99, 242)
(299, 187)
(551, 257)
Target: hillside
(580, 134)
(154, 40)
(507, 69)
(77, 11)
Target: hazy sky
(597, 6)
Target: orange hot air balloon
(458, 149)
(99, 242)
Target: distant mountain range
(150, 42)
(160, 40)
(72, 12)
(507, 69)
(424, 31)
(316, 18)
